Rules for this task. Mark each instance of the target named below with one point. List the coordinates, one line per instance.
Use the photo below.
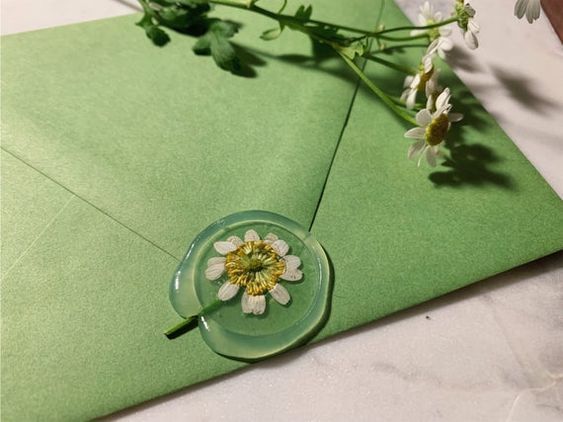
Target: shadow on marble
(460, 58)
(521, 89)
(131, 4)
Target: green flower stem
(399, 47)
(411, 28)
(244, 4)
(376, 90)
(241, 4)
(405, 69)
(184, 326)
(409, 38)
(299, 25)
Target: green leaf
(157, 36)
(304, 13)
(180, 16)
(215, 42)
(153, 32)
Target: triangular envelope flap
(163, 140)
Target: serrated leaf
(272, 34)
(180, 16)
(215, 42)
(153, 32)
(304, 13)
(157, 36)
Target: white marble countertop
(489, 352)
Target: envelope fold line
(336, 147)
(74, 194)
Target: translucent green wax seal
(258, 282)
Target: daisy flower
(468, 25)
(432, 130)
(530, 8)
(441, 43)
(257, 266)
(426, 80)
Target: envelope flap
(164, 141)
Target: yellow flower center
(255, 266)
(437, 130)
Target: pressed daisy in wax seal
(255, 265)
(255, 283)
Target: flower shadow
(521, 89)
(469, 164)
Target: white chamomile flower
(468, 25)
(426, 80)
(530, 8)
(257, 266)
(432, 130)
(439, 37)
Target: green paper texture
(116, 153)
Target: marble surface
(489, 352)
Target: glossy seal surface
(227, 329)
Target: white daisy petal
(455, 117)
(408, 81)
(446, 44)
(421, 155)
(415, 148)
(415, 81)
(251, 235)
(443, 99)
(216, 260)
(245, 303)
(227, 291)
(280, 294)
(411, 99)
(520, 8)
(292, 275)
(433, 47)
(292, 262)
(533, 11)
(427, 62)
(473, 26)
(258, 304)
(430, 102)
(270, 238)
(423, 117)
(235, 240)
(224, 247)
(280, 247)
(432, 84)
(215, 271)
(430, 157)
(415, 133)
(471, 40)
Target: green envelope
(115, 154)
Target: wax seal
(256, 283)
